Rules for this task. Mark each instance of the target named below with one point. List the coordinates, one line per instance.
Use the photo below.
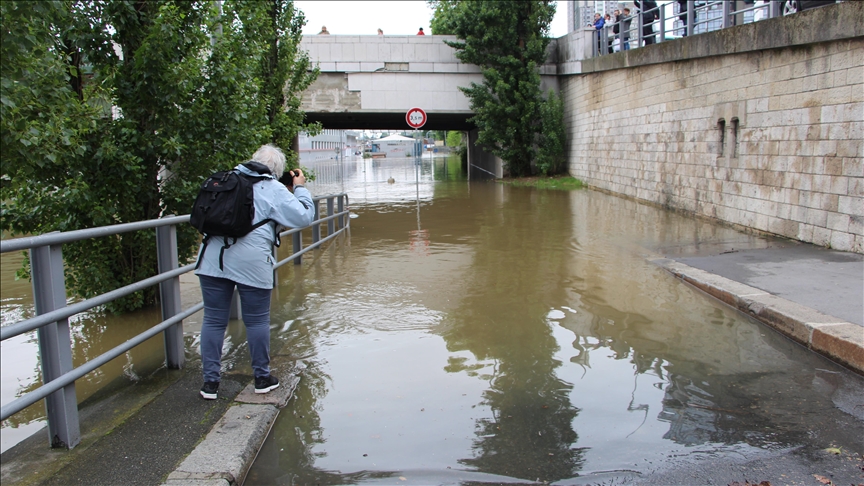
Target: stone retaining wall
(768, 139)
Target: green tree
(508, 41)
(454, 139)
(444, 14)
(552, 141)
(113, 111)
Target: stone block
(829, 202)
(856, 225)
(790, 318)
(278, 397)
(347, 66)
(838, 222)
(841, 240)
(230, 447)
(841, 60)
(838, 184)
(371, 66)
(805, 232)
(849, 148)
(397, 53)
(855, 186)
(817, 217)
(783, 227)
(421, 67)
(841, 342)
(821, 236)
(851, 205)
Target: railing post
(340, 208)
(169, 295)
(662, 23)
(774, 9)
(331, 223)
(297, 244)
(316, 228)
(640, 24)
(55, 345)
(727, 15)
(691, 17)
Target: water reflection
(480, 333)
(523, 336)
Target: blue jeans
(255, 305)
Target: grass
(562, 183)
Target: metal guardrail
(700, 17)
(52, 313)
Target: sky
(393, 17)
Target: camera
(288, 178)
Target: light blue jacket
(250, 260)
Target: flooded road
(479, 332)
(470, 333)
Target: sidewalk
(811, 294)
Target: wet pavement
(829, 281)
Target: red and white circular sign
(415, 117)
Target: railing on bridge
(52, 313)
(700, 17)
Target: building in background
(394, 146)
(327, 145)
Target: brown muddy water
(474, 332)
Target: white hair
(272, 157)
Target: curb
(227, 452)
(834, 338)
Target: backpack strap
(226, 244)
(222, 251)
(203, 249)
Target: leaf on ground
(823, 479)
(834, 450)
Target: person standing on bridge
(420, 32)
(324, 30)
(247, 265)
(648, 9)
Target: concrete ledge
(224, 456)
(842, 341)
(829, 336)
(278, 397)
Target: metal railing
(52, 313)
(700, 17)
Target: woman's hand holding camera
(297, 177)
(293, 178)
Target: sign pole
(416, 118)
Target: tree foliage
(444, 13)
(508, 41)
(113, 111)
(551, 144)
(454, 139)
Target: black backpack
(225, 207)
